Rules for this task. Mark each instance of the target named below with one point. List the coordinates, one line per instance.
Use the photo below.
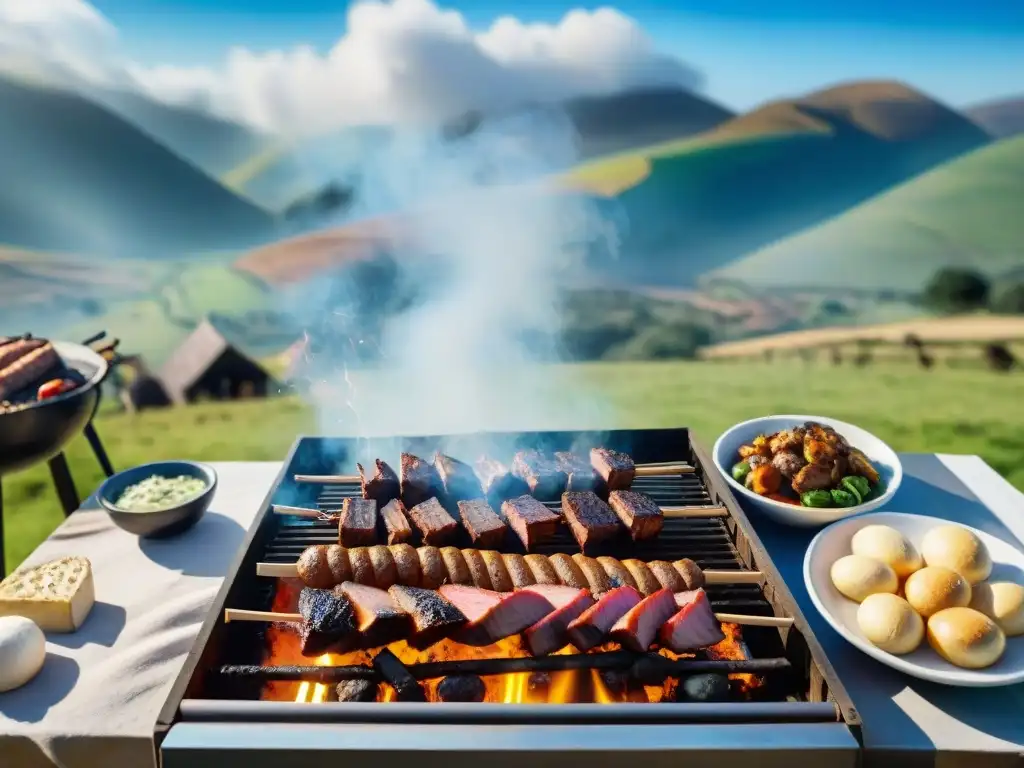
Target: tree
(1010, 301)
(957, 290)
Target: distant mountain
(214, 145)
(691, 206)
(1001, 118)
(965, 213)
(78, 178)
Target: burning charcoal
(328, 620)
(356, 691)
(615, 469)
(433, 617)
(379, 620)
(468, 688)
(383, 486)
(582, 476)
(649, 669)
(398, 676)
(396, 524)
(357, 526)
(419, 481)
(497, 480)
(709, 687)
(460, 482)
(486, 530)
(541, 474)
(433, 522)
(532, 521)
(538, 684)
(638, 512)
(616, 681)
(590, 519)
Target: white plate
(834, 542)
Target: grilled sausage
(362, 567)
(384, 572)
(407, 564)
(477, 569)
(617, 573)
(518, 571)
(568, 571)
(645, 580)
(455, 564)
(13, 351)
(542, 569)
(433, 571)
(667, 576)
(27, 368)
(501, 581)
(597, 580)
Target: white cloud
(398, 60)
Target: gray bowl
(165, 522)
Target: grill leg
(64, 484)
(98, 449)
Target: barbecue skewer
(240, 614)
(642, 470)
(673, 512)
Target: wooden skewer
(327, 479)
(288, 571)
(642, 470)
(670, 512)
(239, 614)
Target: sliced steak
(379, 620)
(494, 616)
(550, 633)
(433, 617)
(328, 621)
(590, 628)
(693, 626)
(638, 627)
(638, 512)
(532, 521)
(435, 525)
(590, 519)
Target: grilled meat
(396, 523)
(492, 615)
(379, 620)
(357, 525)
(615, 469)
(550, 633)
(478, 573)
(12, 350)
(433, 617)
(788, 463)
(638, 512)
(518, 571)
(542, 569)
(646, 582)
(582, 476)
(532, 521)
(618, 574)
(433, 571)
(787, 441)
(458, 479)
(692, 575)
(595, 578)
(813, 477)
(540, 473)
(419, 480)
(328, 621)
(407, 565)
(433, 522)
(383, 486)
(497, 480)
(569, 572)
(638, 627)
(590, 519)
(482, 523)
(27, 368)
(590, 627)
(494, 562)
(693, 626)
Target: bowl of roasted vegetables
(808, 470)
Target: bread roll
(966, 638)
(889, 623)
(956, 548)
(889, 546)
(1003, 602)
(933, 589)
(856, 577)
(22, 651)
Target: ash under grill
(791, 682)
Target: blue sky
(962, 51)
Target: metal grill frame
(243, 588)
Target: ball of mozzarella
(22, 651)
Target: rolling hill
(1001, 118)
(965, 213)
(78, 178)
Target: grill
(219, 709)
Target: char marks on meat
(357, 525)
(494, 616)
(419, 480)
(433, 617)
(638, 627)
(459, 480)
(693, 626)
(379, 620)
(328, 621)
(615, 469)
(550, 633)
(532, 521)
(590, 519)
(435, 525)
(396, 522)
(540, 473)
(383, 486)
(590, 628)
(582, 476)
(497, 479)
(486, 530)
(638, 512)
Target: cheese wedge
(57, 595)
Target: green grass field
(952, 411)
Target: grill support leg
(65, 486)
(98, 449)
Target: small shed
(207, 366)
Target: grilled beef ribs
(638, 512)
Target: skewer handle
(327, 479)
(661, 470)
(277, 570)
(754, 621)
(240, 614)
(283, 509)
(694, 512)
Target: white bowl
(924, 663)
(726, 453)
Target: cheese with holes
(57, 595)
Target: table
(908, 722)
(97, 700)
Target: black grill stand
(62, 482)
